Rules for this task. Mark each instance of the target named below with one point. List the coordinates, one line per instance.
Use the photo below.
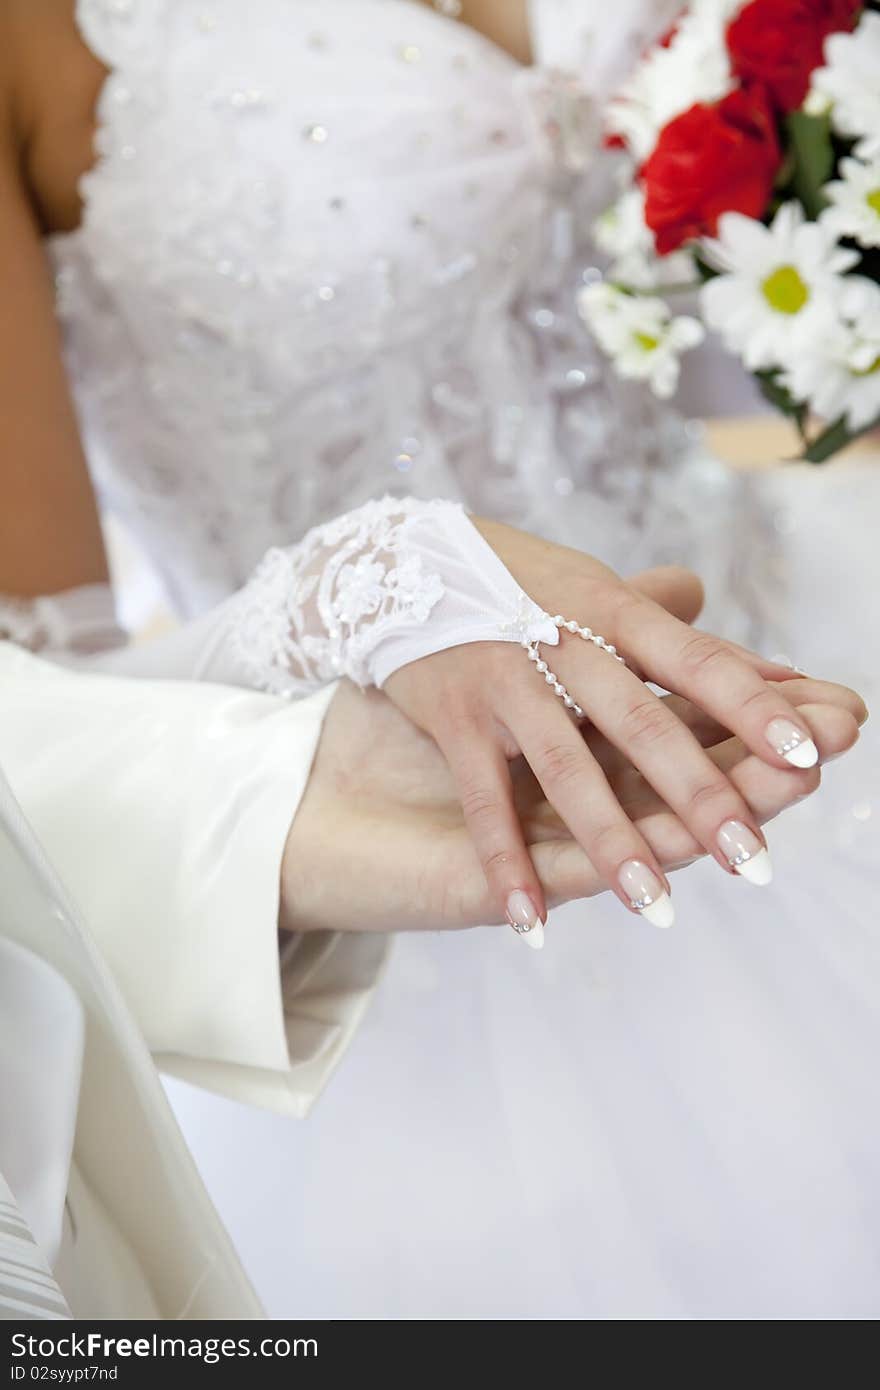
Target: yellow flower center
(873, 200)
(646, 342)
(785, 291)
(867, 371)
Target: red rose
(779, 42)
(709, 160)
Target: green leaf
(813, 157)
(834, 438)
(774, 392)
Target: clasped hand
(503, 804)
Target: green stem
(835, 438)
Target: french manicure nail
(745, 853)
(523, 917)
(791, 743)
(646, 893)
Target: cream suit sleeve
(165, 806)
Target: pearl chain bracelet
(533, 651)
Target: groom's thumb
(678, 590)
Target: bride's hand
(380, 841)
(485, 705)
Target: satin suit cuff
(165, 807)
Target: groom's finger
(676, 589)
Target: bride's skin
(483, 703)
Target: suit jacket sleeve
(165, 807)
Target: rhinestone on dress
(242, 98)
(315, 132)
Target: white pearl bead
(572, 625)
(549, 678)
(559, 620)
(569, 702)
(586, 633)
(541, 666)
(612, 651)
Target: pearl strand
(586, 634)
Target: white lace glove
(370, 592)
(377, 588)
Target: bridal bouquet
(751, 140)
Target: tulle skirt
(633, 1124)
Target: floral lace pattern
(315, 611)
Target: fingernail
(523, 917)
(646, 893)
(791, 743)
(745, 853)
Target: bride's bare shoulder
(49, 83)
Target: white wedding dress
(329, 251)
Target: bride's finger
(567, 871)
(579, 792)
(706, 671)
(836, 732)
(803, 692)
(482, 778)
(647, 732)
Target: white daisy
(850, 83)
(622, 233)
(694, 66)
(640, 334)
(839, 373)
(778, 286)
(855, 201)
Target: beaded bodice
(329, 250)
